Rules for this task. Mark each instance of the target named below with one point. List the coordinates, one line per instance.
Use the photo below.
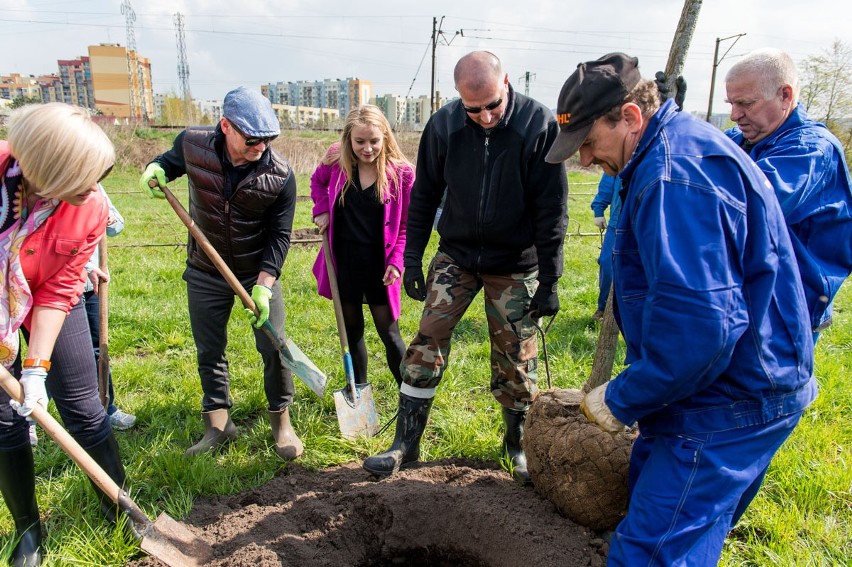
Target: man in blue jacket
(806, 166)
(711, 306)
(607, 196)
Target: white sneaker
(121, 420)
(33, 435)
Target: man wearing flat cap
(242, 195)
(711, 306)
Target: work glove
(260, 294)
(600, 222)
(594, 407)
(158, 174)
(545, 301)
(413, 282)
(680, 83)
(35, 392)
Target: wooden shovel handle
(73, 449)
(103, 320)
(335, 293)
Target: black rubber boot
(17, 483)
(410, 423)
(107, 456)
(514, 420)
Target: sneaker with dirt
(33, 435)
(121, 420)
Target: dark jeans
(211, 301)
(93, 307)
(73, 386)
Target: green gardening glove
(260, 294)
(158, 174)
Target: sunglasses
(478, 109)
(105, 173)
(252, 141)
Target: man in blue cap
(709, 300)
(242, 195)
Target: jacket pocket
(67, 247)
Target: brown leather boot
(287, 443)
(220, 431)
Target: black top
(359, 215)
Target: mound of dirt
(574, 464)
(451, 512)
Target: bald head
(477, 71)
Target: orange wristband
(37, 363)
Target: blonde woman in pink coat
(360, 192)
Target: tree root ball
(573, 463)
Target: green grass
(801, 517)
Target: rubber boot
(220, 430)
(514, 420)
(107, 455)
(410, 423)
(17, 483)
(288, 446)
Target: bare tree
(827, 90)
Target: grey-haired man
(242, 195)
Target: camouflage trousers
(514, 349)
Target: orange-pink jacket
(53, 257)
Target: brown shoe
(598, 315)
(288, 446)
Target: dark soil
(454, 512)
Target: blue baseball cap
(251, 113)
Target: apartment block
(121, 82)
(341, 95)
(75, 76)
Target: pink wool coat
(326, 184)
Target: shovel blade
(303, 367)
(357, 418)
(175, 545)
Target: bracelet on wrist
(37, 363)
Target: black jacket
(506, 208)
(246, 212)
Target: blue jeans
(73, 386)
(605, 271)
(686, 491)
(93, 307)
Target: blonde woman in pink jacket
(360, 192)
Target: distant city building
(75, 77)
(306, 116)
(212, 109)
(341, 95)
(121, 82)
(407, 113)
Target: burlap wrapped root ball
(574, 464)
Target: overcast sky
(252, 42)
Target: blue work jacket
(609, 188)
(708, 294)
(806, 166)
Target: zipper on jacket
(480, 217)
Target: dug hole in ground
(452, 512)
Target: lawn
(801, 517)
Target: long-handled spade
(356, 410)
(166, 539)
(103, 320)
(291, 355)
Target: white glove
(595, 408)
(600, 222)
(35, 392)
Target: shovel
(356, 411)
(103, 314)
(166, 539)
(291, 355)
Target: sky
(253, 42)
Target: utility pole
(680, 43)
(183, 68)
(716, 61)
(526, 78)
(132, 61)
(435, 32)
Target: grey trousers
(211, 301)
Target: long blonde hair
(390, 156)
(60, 148)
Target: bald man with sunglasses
(501, 231)
(242, 195)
